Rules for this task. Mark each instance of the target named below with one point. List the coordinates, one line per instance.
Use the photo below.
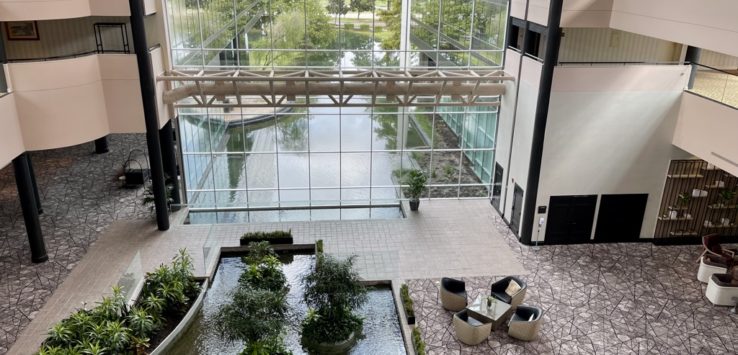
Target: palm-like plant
(140, 322)
(117, 336)
(92, 348)
(60, 335)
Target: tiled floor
(597, 299)
(80, 198)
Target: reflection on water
(295, 159)
(381, 326)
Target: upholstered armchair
(722, 289)
(471, 329)
(453, 294)
(711, 264)
(500, 291)
(525, 323)
(712, 245)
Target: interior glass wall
(275, 162)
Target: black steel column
(24, 183)
(169, 157)
(148, 95)
(3, 60)
(692, 57)
(553, 40)
(36, 194)
(101, 145)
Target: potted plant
(332, 291)
(415, 179)
(725, 197)
(683, 199)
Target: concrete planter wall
(184, 324)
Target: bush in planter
(263, 269)
(418, 343)
(274, 237)
(111, 327)
(258, 311)
(415, 179)
(407, 304)
(332, 290)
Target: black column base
(101, 145)
(39, 259)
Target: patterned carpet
(80, 197)
(598, 299)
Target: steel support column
(550, 58)
(24, 182)
(169, 157)
(692, 57)
(36, 194)
(101, 145)
(148, 96)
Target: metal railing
(715, 84)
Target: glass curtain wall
(277, 161)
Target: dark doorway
(570, 219)
(517, 209)
(497, 186)
(620, 217)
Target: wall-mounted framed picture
(22, 31)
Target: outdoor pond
(381, 331)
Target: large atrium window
(247, 164)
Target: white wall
(517, 168)
(66, 102)
(608, 45)
(708, 130)
(11, 140)
(586, 13)
(28, 10)
(67, 37)
(609, 131)
(705, 24)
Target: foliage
(418, 342)
(111, 327)
(683, 198)
(337, 7)
(416, 180)
(253, 315)
(319, 247)
(258, 311)
(332, 290)
(148, 198)
(727, 195)
(267, 235)
(361, 6)
(393, 22)
(407, 302)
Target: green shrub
(319, 246)
(258, 251)
(253, 315)
(365, 27)
(270, 346)
(332, 290)
(112, 328)
(407, 302)
(418, 343)
(267, 235)
(348, 26)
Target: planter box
(410, 319)
(184, 324)
(271, 241)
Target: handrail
(715, 69)
(68, 56)
(620, 63)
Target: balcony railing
(718, 85)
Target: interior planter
(167, 343)
(335, 348)
(285, 240)
(414, 204)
